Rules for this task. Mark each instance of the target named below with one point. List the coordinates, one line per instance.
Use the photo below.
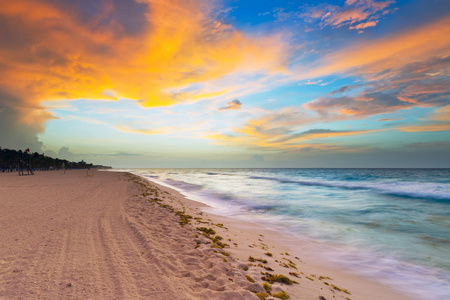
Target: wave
(150, 176)
(431, 191)
(184, 185)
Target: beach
(114, 235)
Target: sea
(389, 225)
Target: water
(392, 225)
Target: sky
(209, 83)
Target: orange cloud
(356, 14)
(426, 128)
(158, 52)
(280, 130)
(180, 44)
(418, 44)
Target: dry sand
(116, 236)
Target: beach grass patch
(281, 295)
(268, 254)
(250, 278)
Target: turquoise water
(392, 225)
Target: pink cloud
(355, 14)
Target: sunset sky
(191, 83)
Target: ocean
(390, 225)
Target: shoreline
(256, 240)
(108, 235)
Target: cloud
(387, 53)
(282, 130)
(159, 53)
(403, 88)
(390, 120)
(400, 72)
(364, 25)
(354, 15)
(129, 129)
(20, 123)
(439, 120)
(64, 153)
(235, 104)
(316, 82)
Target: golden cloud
(65, 55)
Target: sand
(115, 236)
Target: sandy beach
(112, 235)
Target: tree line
(9, 160)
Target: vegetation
(208, 231)
(340, 289)
(281, 295)
(262, 295)
(252, 259)
(249, 278)
(271, 278)
(216, 240)
(267, 287)
(184, 218)
(9, 160)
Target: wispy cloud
(389, 119)
(388, 91)
(314, 82)
(437, 121)
(354, 14)
(388, 53)
(283, 130)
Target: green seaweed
(262, 295)
(252, 259)
(281, 295)
(340, 289)
(208, 231)
(184, 218)
(325, 277)
(267, 287)
(271, 278)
